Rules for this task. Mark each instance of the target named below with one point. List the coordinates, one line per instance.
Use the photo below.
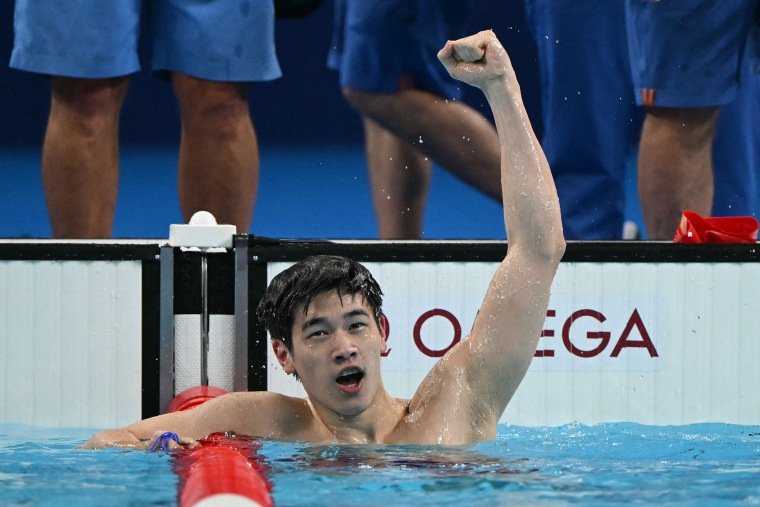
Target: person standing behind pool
(210, 50)
(592, 122)
(384, 52)
(325, 318)
(689, 58)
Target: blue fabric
(221, 40)
(690, 52)
(387, 45)
(589, 115)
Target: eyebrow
(359, 312)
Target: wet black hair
(304, 281)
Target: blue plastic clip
(164, 439)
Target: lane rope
(224, 469)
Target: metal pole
(204, 320)
(240, 379)
(166, 329)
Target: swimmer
(325, 317)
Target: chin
(352, 409)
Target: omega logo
(570, 341)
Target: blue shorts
(219, 40)
(390, 45)
(688, 53)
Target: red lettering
(428, 315)
(604, 336)
(624, 342)
(546, 333)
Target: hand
(477, 59)
(168, 441)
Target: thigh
(77, 38)
(687, 53)
(218, 40)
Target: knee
(354, 97)
(89, 103)
(691, 127)
(213, 108)
(371, 104)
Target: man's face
(336, 347)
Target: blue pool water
(609, 464)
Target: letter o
(436, 312)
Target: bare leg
(452, 133)
(675, 166)
(80, 155)
(399, 177)
(218, 157)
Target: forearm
(113, 438)
(531, 208)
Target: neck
(368, 427)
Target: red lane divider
(223, 470)
(194, 396)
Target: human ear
(283, 356)
(385, 329)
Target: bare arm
(496, 355)
(260, 414)
(140, 435)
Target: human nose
(345, 350)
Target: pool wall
(100, 334)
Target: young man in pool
(324, 316)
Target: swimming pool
(606, 464)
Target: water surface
(609, 464)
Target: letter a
(645, 342)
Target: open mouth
(350, 379)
